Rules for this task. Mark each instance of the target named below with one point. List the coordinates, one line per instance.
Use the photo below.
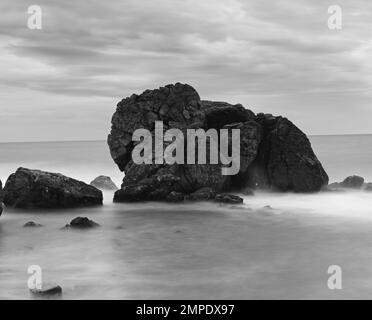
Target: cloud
(225, 48)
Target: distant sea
(192, 251)
(341, 155)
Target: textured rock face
(274, 153)
(38, 189)
(104, 183)
(178, 106)
(219, 114)
(286, 161)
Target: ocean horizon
(342, 155)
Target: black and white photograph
(185, 150)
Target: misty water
(192, 251)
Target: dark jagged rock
(178, 106)
(38, 189)
(219, 114)
(32, 224)
(82, 223)
(274, 152)
(175, 197)
(104, 183)
(47, 290)
(228, 198)
(353, 182)
(286, 161)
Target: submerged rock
(104, 183)
(353, 182)
(32, 224)
(228, 198)
(47, 290)
(39, 189)
(274, 153)
(82, 223)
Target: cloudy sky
(63, 82)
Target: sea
(274, 246)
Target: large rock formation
(38, 189)
(274, 153)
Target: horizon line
(102, 140)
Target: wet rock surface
(82, 223)
(28, 188)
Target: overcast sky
(278, 56)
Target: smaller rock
(32, 224)
(228, 198)
(268, 207)
(82, 223)
(202, 194)
(175, 197)
(47, 290)
(368, 186)
(27, 188)
(104, 183)
(353, 182)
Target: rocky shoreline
(275, 156)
